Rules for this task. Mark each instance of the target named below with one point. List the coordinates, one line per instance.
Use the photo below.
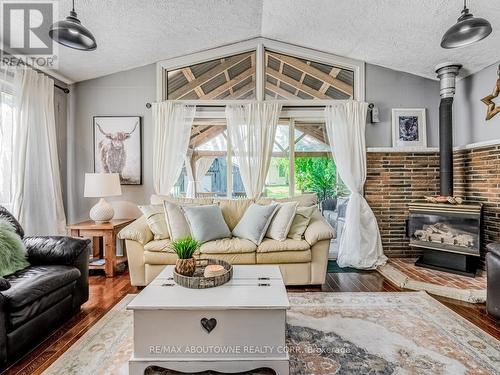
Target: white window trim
(260, 45)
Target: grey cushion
(206, 222)
(254, 223)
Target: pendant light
(71, 33)
(467, 30)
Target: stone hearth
(403, 273)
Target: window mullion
(291, 156)
(259, 73)
(229, 167)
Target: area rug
(403, 273)
(328, 333)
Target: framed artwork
(409, 128)
(118, 147)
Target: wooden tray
(198, 281)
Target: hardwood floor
(105, 293)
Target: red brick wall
(477, 178)
(397, 178)
(394, 180)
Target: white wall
(470, 125)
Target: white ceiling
(399, 34)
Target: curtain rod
(284, 103)
(64, 89)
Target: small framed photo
(118, 147)
(409, 128)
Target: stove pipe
(446, 73)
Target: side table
(108, 232)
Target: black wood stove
(448, 234)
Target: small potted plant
(185, 249)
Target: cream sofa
(302, 262)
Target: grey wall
(470, 113)
(126, 93)
(60, 113)
(388, 89)
(123, 93)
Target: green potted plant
(185, 249)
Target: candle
(213, 270)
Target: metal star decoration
(488, 100)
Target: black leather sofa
(493, 280)
(39, 298)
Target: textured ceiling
(398, 34)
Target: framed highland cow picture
(409, 128)
(118, 147)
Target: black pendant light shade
(467, 30)
(71, 33)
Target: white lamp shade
(98, 185)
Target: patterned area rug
(328, 333)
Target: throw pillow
(5, 214)
(300, 222)
(177, 225)
(206, 223)
(282, 221)
(155, 217)
(12, 249)
(4, 284)
(254, 223)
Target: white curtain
(6, 130)
(36, 181)
(360, 243)
(251, 129)
(172, 129)
(195, 181)
(191, 189)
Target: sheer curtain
(37, 195)
(172, 129)
(195, 181)
(360, 243)
(251, 129)
(6, 130)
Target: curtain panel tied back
(251, 130)
(360, 242)
(195, 178)
(172, 130)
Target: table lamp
(100, 185)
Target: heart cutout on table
(209, 324)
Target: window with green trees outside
(313, 167)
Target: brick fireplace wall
(477, 178)
(394, 179)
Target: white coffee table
(247, 316)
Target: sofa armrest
(137, 231)
(4, 284)
(494, 248)
(3, 332)
(318, 230)
(45, 250)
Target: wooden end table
(108, 232)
